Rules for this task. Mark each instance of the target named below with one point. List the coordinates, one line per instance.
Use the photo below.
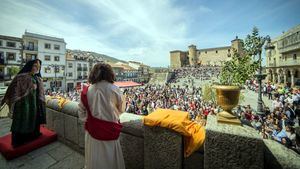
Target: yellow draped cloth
(194, 133)
(61, 101)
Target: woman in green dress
(26, 100)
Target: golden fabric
(194, 134)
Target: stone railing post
(232, 147)
(163, 149)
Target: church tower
(237, 44)
(192, 55)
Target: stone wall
(226, 146)
(169, 75)
(241, 147)
(142, 146)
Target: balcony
(290, 62)
(85, 68)
(79, 68)
(272, 65)
(289, 43)
(5, 77)
(30, 48)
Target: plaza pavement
(53, 156)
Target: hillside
(96, 56)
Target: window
(47, 57)
(47, 46)
(56, 47)
(295, 56)
(0, 42)
(228, 50)
(85, 67)
(70, 74)
(11, 44)
(1, 58)
(11, 56)
(56, 69)
(285, 58)
(70, 65)
(216, 51)
(30, 46)
(56, 58)
(205, 52)
(47, 70)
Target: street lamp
(55, 66)
(261, 76)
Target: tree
(237, 70)
(241, 67)
(12, 71)
(254, 43)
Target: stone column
(284, 77)
(268, 75)
(278, 78)
(292, 78)
(274, 77)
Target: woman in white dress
(104, 102)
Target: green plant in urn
(241, 67)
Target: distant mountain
(96, 56)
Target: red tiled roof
(122, 84)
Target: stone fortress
(208, 57)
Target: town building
(204, 57)
(10, 56)
(131, 71)
(79, 64)
(283, 58)
(51, 51)
(143, 71)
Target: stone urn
(227, 98)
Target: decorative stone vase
(227, 98)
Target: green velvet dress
(28, 114)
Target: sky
(147, 30)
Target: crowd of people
(281, 120)
(144, 100)
(71, 95)
(201, 73)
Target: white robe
(105, 102)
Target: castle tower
(192, 55)
(237, 44)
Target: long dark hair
(28, 67)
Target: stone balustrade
(241, 147)
(226, 146)
(142, 146)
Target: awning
(124, 84)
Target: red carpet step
(10, 153)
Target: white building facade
(78, 66)
(52, 52)
(10, 55)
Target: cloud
(131, 30)
(141, 30)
